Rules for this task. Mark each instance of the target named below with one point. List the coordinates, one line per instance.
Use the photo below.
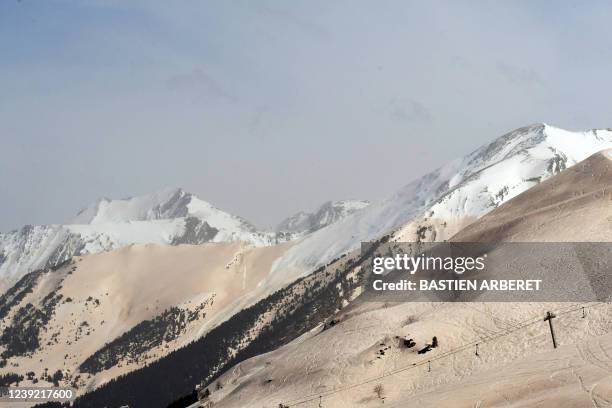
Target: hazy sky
(264, 108)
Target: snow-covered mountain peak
(328, 213)
(435, 205)
(540, 136)
(162, 204)
(165, 204)
(509, 165)
(169, 216)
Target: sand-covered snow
(515, 366)
(111, 292)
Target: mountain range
(170, 217)
(142, 300)
(437, 205)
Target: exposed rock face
(196, 232)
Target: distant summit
(167, 204)
(328, 213)
(169, 216)
(162, 204)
